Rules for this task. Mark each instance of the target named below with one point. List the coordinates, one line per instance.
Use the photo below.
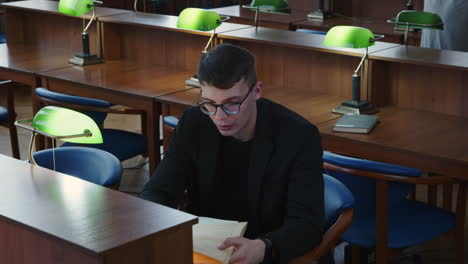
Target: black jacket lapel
(259, 158)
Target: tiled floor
(438, 251)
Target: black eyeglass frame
(227, 112)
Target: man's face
(241, 125)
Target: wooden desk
(425, 140)
(125, 83)
(246, 16)
(376, 25)
(423, 117)
(19, 62)
(38, 22)
(50, 217)
(315, 107)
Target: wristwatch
(268, 254)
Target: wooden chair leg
(14, 141)
(11, 119)
(460, 224)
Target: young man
(245, 158)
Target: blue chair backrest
(337, 198)
(363, 188)
(2, 37)
(311, 31)
(98, 117)
(171, 121)
(89, 164)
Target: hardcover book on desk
(356, 123)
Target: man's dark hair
(225, 65)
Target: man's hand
(246, 251)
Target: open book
(209, 233)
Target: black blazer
(285, 183)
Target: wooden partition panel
(420, 79)
(303, 70)
(371, 8)
(48, 30)
(151, 46)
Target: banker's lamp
(268, 6)
(353, 37)
(63, 124)
(416, 19)
(202, 20)
(78, 8)
(322, 13)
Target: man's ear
(258, 90)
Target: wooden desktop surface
(51, 217)
(426, 140)
(297, 40)
(313, 106)
(424, 56)
(123, 79)
(246, 16)
(20, 62)
(51, 7)
(165, 22)
(376, 25)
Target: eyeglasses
(230, 108)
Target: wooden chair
(385, 219)
(8, 116)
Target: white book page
(209, 233)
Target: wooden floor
(438, 251)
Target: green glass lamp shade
(75, 7)
(272, 6)
(349, 37)
(419, 19)
(198, 19)
(58, 121)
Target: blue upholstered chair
(89, 164)
(384, 217)
(8, 116)
(2, 37)
(311, 31)
(122, 144)
(339, 203)
(169, 123)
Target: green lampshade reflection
(418, 19)
(349, 37)
(271, 6)
(75, 7)
(58, 121)
(198, 19)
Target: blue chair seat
(122, 144)
(410, 223)
(89, 164)
(3, 114)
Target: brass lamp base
(352, 107)
(85, 59)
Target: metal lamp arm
(356, 72)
